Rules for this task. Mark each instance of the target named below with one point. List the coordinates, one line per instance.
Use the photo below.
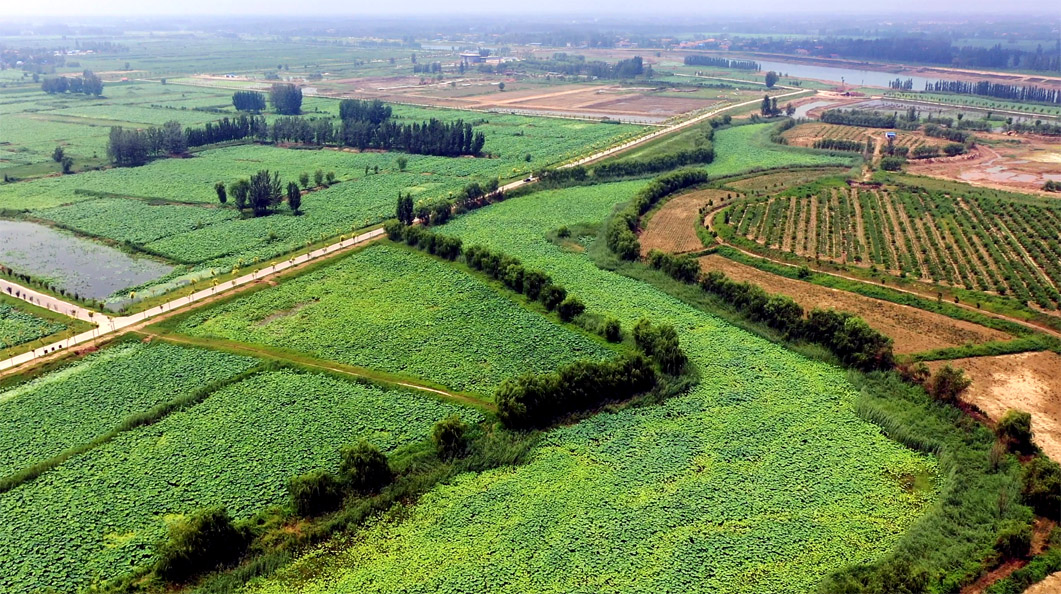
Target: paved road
(110, 325)
(47, 301)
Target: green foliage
(440, 325)
(1015, 428)
(1014, 539)
(1042, 486)
(199, 543)
(748, 148)
(1034, 572)
(364, 468)
(570, 308)
(892, 163)
(948, 384)
(19, 327)
(612, 330)
(66, 408)
(451, 437)
(104, 510)
(315, 493)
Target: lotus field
(100, 514)
(19, 327)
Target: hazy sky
(702, 8)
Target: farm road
(48, 302)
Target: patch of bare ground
(1051, 585)
(912, 329)
(673, 227)
(1022, 163)
(1025, 381)
(1040, 534)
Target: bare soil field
(1051, 585)
(595, 100)
(913, 330)
(673, 227)
(1026, 381)
(1024, 164)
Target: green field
(742, 483)
(99, 514)
(743, 148)
(69, 408)
(168, 208)
(400, 311)
(18, 326)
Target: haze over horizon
(606, 8)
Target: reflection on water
(68, 262)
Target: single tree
(405, 209)
(364, 468)
(57, 154)
(402, 163)
(303, 178)
(771, 79)
(764, 107)
(318, 178)
(294, 197)
(500, 86)
(240, 192)
(451, 437)
(330, 177)
(67, 164)
(222, 195)
(265, 192)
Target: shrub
(552, 296)
(1015, 428)
(364, 468)
(451, 437)
(199, 543)
(660, 343)
(570, 308)
(948, 384)
(892, 163)
(1042, 486)
(315, 493)
(612, 330)
(1014, 539)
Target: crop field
(746, 148)
(169, 208)
(780, 180)
(18, 326)
(673, 227)
(439, 323)
(99, 514)
(980, 240)
(70, 407)
(718, 490)
(807, 134)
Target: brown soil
(1024, 164)
(673, 228)
(1041, 529)
(1026, 381)
(1051, 585)
(913, 330)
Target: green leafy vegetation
(440, 323)
(18, 326)
(103, 511)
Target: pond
(852, 76)
(80, 266)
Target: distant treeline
(948, 133)
(702, 60)
(88, 84)
(577, 66)
(1037, 128)
(839, 144)
(917, 50)
(997, 90)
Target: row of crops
(762, 476)
(978, 242)
(822, 131)
(101, 512)
(18, 326)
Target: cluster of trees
(1036, 128)
(87, 84)
(702, 60)
(660, 343)
(949, 133)
(1052, 186)
(847, 336)
(998, 90)
(537, 400)
(286, 99)
(666, 162)
(577, 66)
(252, 101)
(228, 129)
(859, 117)
(433, 137)
(621, 234)
(363, 470)
(839, 144)
(374, 111)
(132, 148)
(432, 68)
(892, 162)
(261, 193)
(443, 246)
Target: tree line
(577, 66)
(997, 90)
(702, 60)
(621, 233)
(88, 84)
(859, 117)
